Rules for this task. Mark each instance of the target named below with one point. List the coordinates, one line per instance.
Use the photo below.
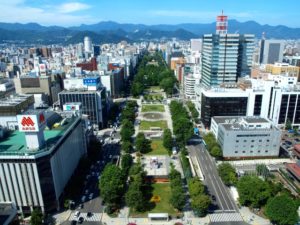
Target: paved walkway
(252, 218)
(61, 217)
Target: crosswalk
(94, 218)
(225, 217)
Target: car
(81, 206)
(89, 214)
(86, 191)
(80, 220)
(213, 198)
(83, 198)
(76, 214)
(91, 196)
(74, 222)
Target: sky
(76, 12)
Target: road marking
(225, 217)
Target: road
(93, 204)
(222, 200)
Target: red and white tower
(222, 24)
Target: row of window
(266, 151)
(237, 141)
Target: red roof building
(294, 169)
(296, 150)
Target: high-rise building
(88, 45)
(225, 58)
(271, 51)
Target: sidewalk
(252, 218)
(62, 217)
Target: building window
(237, 141)
(244, 151)
(252, 140)
(258, 151)
(268, 140)
(245, 140)
(252, 146)
(236, 152)
(266, 151)
(251, 151)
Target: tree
(262, 170)
(36, 217)
(288, 124)
(227, 174)
(195, 187)
(137, 89)
(112, 184)
(142, 144)
(126, 162)
(127, 130)
(126, 146)
(200, 204)
(134, 197)
(168, 140)
(282, 210)
(177, 199)
(216, 151)
(257, 195)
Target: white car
(77, 213)
(86, 191)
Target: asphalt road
(222, 201)
(110, 152)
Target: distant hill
(109, 31)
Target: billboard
(72, 107)
(91, 81)
(30, 123)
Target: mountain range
(109, 31)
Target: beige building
(44, 89)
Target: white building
(271, 51)
(36, 164)
(246, 137)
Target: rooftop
(294, 169)
(15, 143)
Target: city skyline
(73, 13)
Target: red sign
(42, 118)
(27, 121)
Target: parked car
(80, 220)
(77, 213)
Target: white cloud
(72, 7)
(17, 11)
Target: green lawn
(163, 190)
(151, 108)
(157, 148)
(153, 88)
(153, 97)
(145, 125)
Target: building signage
(31, 123)
(91, 81)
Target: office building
(8, 214)
(87, 45)
(271, 51)
(276, 99)
(44, 88)
(225, 58)
(36, 164)
(246, 137)
(89, 66)
(91, 94)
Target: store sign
(31, 123)
(28, 123)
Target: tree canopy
(227, 174)
(112, 184)
(167, 139)
(142, 144)
(36, 217)
(253, 191)
(282, 210)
